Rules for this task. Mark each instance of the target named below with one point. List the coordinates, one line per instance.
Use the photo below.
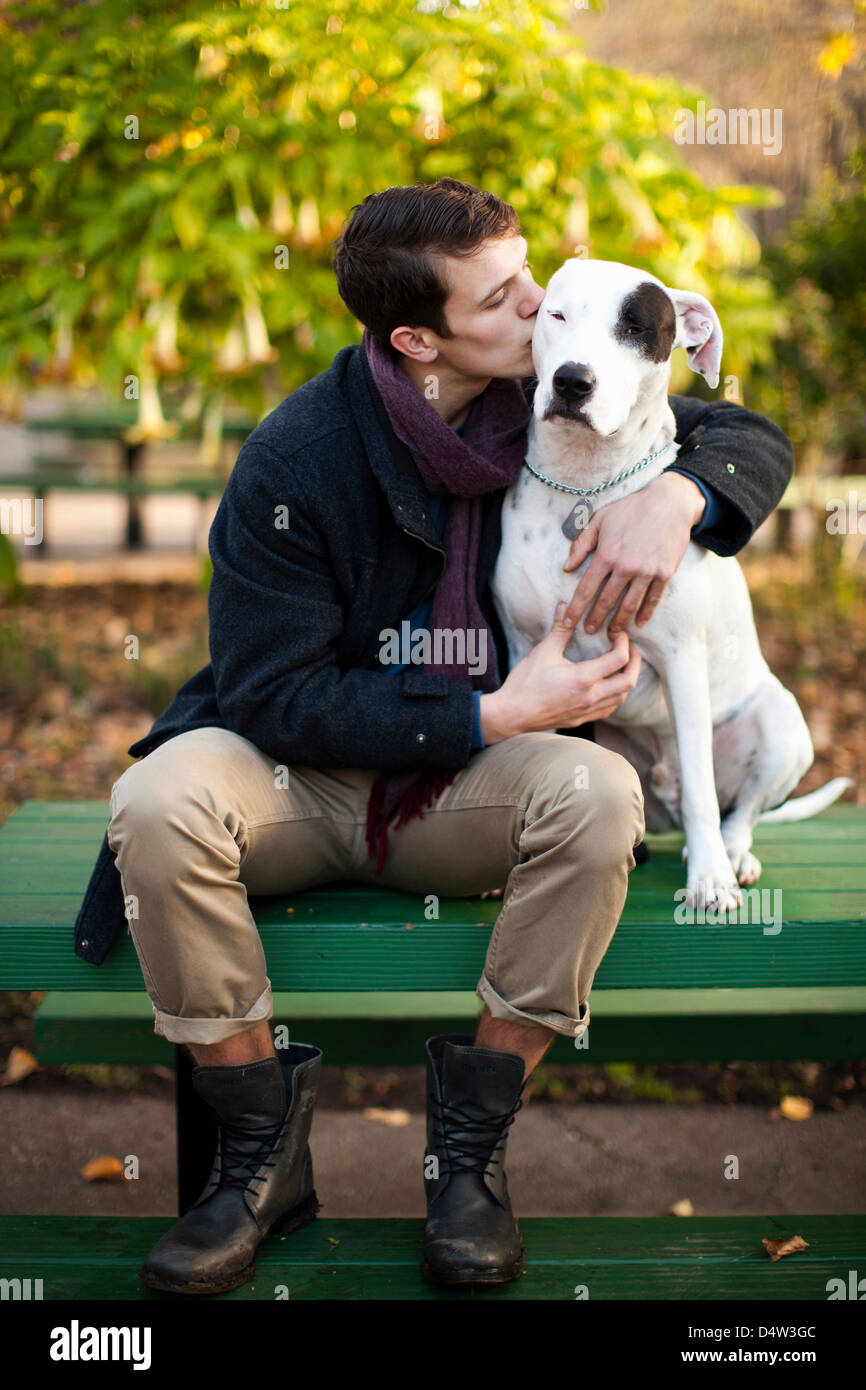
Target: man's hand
(638, 543)
(547, 691)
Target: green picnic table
(52, 474)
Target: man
(371, 496)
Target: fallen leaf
(20, 1063)
(102, 1168)
(796, 1107)
(395, 1118)
(681, 1208)
(776, 1248)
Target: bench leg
(132, 454)
(196, 1134)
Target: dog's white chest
(705, 603)
(533, 547)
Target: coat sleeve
(742, 456)
(276, 616)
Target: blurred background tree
(173, 175)
(807, 61)
(815, 385)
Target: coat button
(420, 738)
(730, 468)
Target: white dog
(708, 726)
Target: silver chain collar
(591, 491)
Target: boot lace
(241, 1172)
(475, 1152)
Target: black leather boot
(262, 1177)
(473, 1096)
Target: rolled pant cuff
(212, 1030)
(560, 1023)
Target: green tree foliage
(155, 157)
(816, 388)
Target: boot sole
(470, 1276)
(292, 1221)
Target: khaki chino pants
(205, 819)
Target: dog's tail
(801, 807)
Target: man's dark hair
(384, 257)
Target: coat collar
(390, 460)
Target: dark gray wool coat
(296, 611)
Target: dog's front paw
(746, 866)
(716, 891)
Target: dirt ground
(563, 1160)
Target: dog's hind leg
(737, 835)
(768, 750)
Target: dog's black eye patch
(647, 321)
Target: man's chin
(524, 367)
(521, 366)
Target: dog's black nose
(574, 381)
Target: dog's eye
(555, 314)
(632, 328)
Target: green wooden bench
(118, 425)
(59, 475)
(363, 974)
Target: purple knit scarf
(487, 456)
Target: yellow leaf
(20, 1063)
(776, 1248)
(681, 1208)
(796, 1107)
(101, 1168)
(395, 1118)
(837, 53)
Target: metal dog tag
(577, 519)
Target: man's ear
(412, 343)
(699, 332)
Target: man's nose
(574, 381)
(539, 296)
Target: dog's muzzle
(573, 384)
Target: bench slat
(840, 820)
(442, 956)
(382, 1029)
(632, 1258)
(25, 871)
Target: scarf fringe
(426, 789)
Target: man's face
(490, 310)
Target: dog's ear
(699, 332)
